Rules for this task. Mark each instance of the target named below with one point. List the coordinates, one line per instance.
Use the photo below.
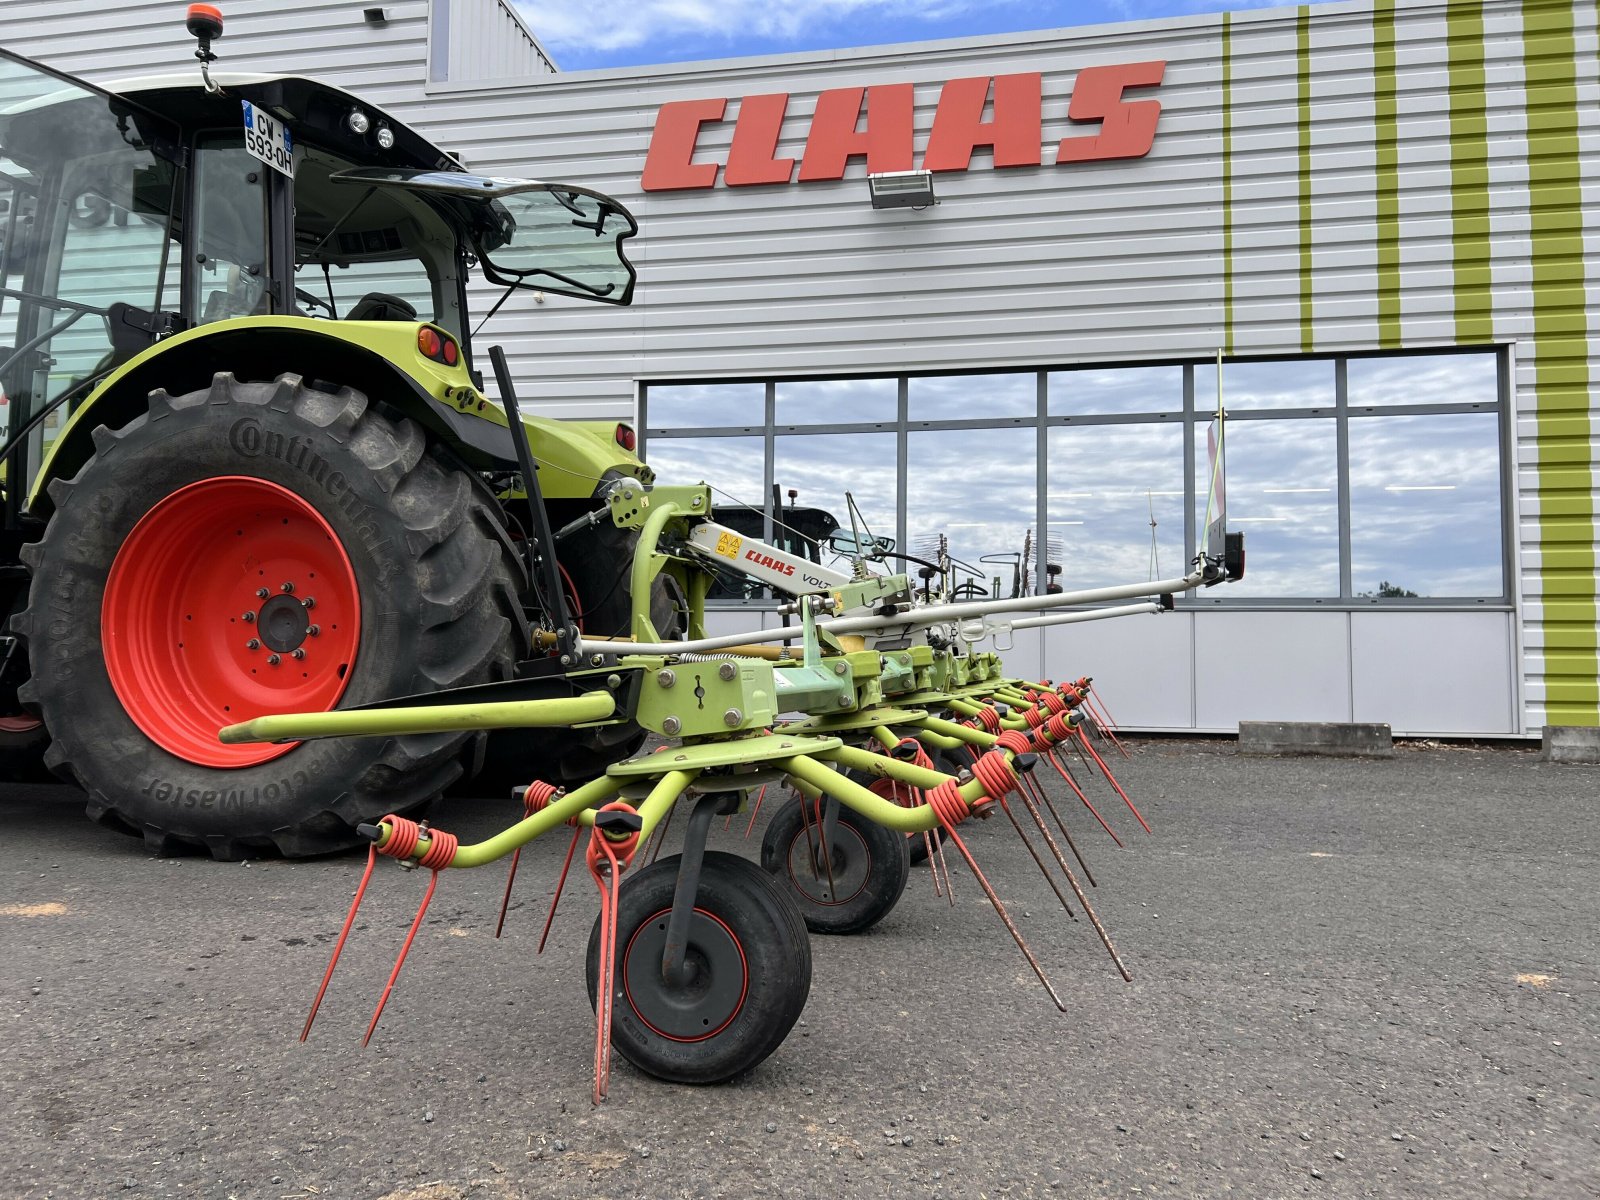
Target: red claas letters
(877, 124)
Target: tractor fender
(379, 358)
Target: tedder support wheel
(255, 548)
(750, 964)
(850, 889)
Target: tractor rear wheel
(254, 548)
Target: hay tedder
(274, 500)
(699, 964)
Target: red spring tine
(660, 837)
(1039, 862)
(1077, 791)
(1076, 890)
(350, 918)
(416, 922)
(605, 988)
(1112, 779)
(1043, 797)
(560, 883)
(1000, 908)
(755, 810)
(505, 901)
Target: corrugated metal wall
(487, 40)
(1353, 176)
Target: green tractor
(248, 462)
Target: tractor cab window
(228, 252)
(369, 255)
(88, 189)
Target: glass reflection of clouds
(1283, 485)
(1423, 379)
(1099, 390)
(968, 397)
(836, 401)
(1307, 383)
(1425, 504)
(976, 486)
(1425, 488)
(686, 405)
(823, 467)
(731, 465)
(1107, 483)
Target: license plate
(266, 137)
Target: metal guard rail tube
(438, 718)
(1099, 614)
(932, 614)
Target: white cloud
(573, 26)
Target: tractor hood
(548, 237)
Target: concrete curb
(1338, 739)
(1571, 744)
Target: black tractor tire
(752, 964)
(863, 880)
(430, 569)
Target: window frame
(1193, 421)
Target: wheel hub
(283, 622)
(836, 879)
(718, 978)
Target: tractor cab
(163, 205)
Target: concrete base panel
(1338, 738)
(1572, 743)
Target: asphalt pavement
(1351, 978)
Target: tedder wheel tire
(256, 548)
(864, 880)
(752, 964)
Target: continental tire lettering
(245, 437)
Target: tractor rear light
(626, 438)
(438, 345)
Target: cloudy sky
(581, 35)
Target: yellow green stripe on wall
(1386, 144)
(1469, 175)
(1561, 338)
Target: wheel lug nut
(273, 660)
(287, 587)
(309, 602)
(252, 644)
(248, 618)
(299, 654)
(313, 630)
(262, 593)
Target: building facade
(1371, 225)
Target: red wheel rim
(189, 636)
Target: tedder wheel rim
(839, 880)
(718, 984)
(231, 599)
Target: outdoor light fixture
(901, 189)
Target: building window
(1358, 480)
